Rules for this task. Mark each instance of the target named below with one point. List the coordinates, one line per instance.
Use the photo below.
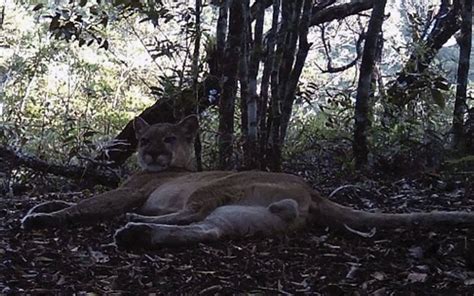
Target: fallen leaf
(469, 282)
(416, 252)
(416, 277)
(380, 276)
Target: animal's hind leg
(183, 217)
(148, 235)
(50, 206)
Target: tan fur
(171, 204)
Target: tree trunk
(195, 69)
(286, 67)
(227, 102)
(463, 74)
(252, 158)
(286, 72)
(376, 75)
(269, 64)
(248, 100)
(362, 122)
(303, 48)
(215, 60)
(469, 133)
(274, 154)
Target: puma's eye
(169, 139)
(144, 141)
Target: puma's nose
(153, 155)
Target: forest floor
(311, 261)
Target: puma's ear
(140, 126)
(189, 126)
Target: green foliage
(61, 98)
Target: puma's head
(164, 145)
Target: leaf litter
(313, 260)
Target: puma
(167, 203)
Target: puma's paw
(49, 207)
(134, 236)
(38, 221)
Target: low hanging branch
(88, 174)
(339, 11)
(335, 69)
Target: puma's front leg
(149, 236)
(40, 216)
(105, 205)
(50, 206)
(230, 221)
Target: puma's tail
(328, 213)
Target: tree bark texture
(216, 59)
(460, 106)
(268, 66)
(248, 101)
(252, 161)
(274, 153)
(286, 66)
(230, 65)
(195, 69)
(362, 122)
(303, 48)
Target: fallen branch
(343, 187)
(369, 234)
(87, 174)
